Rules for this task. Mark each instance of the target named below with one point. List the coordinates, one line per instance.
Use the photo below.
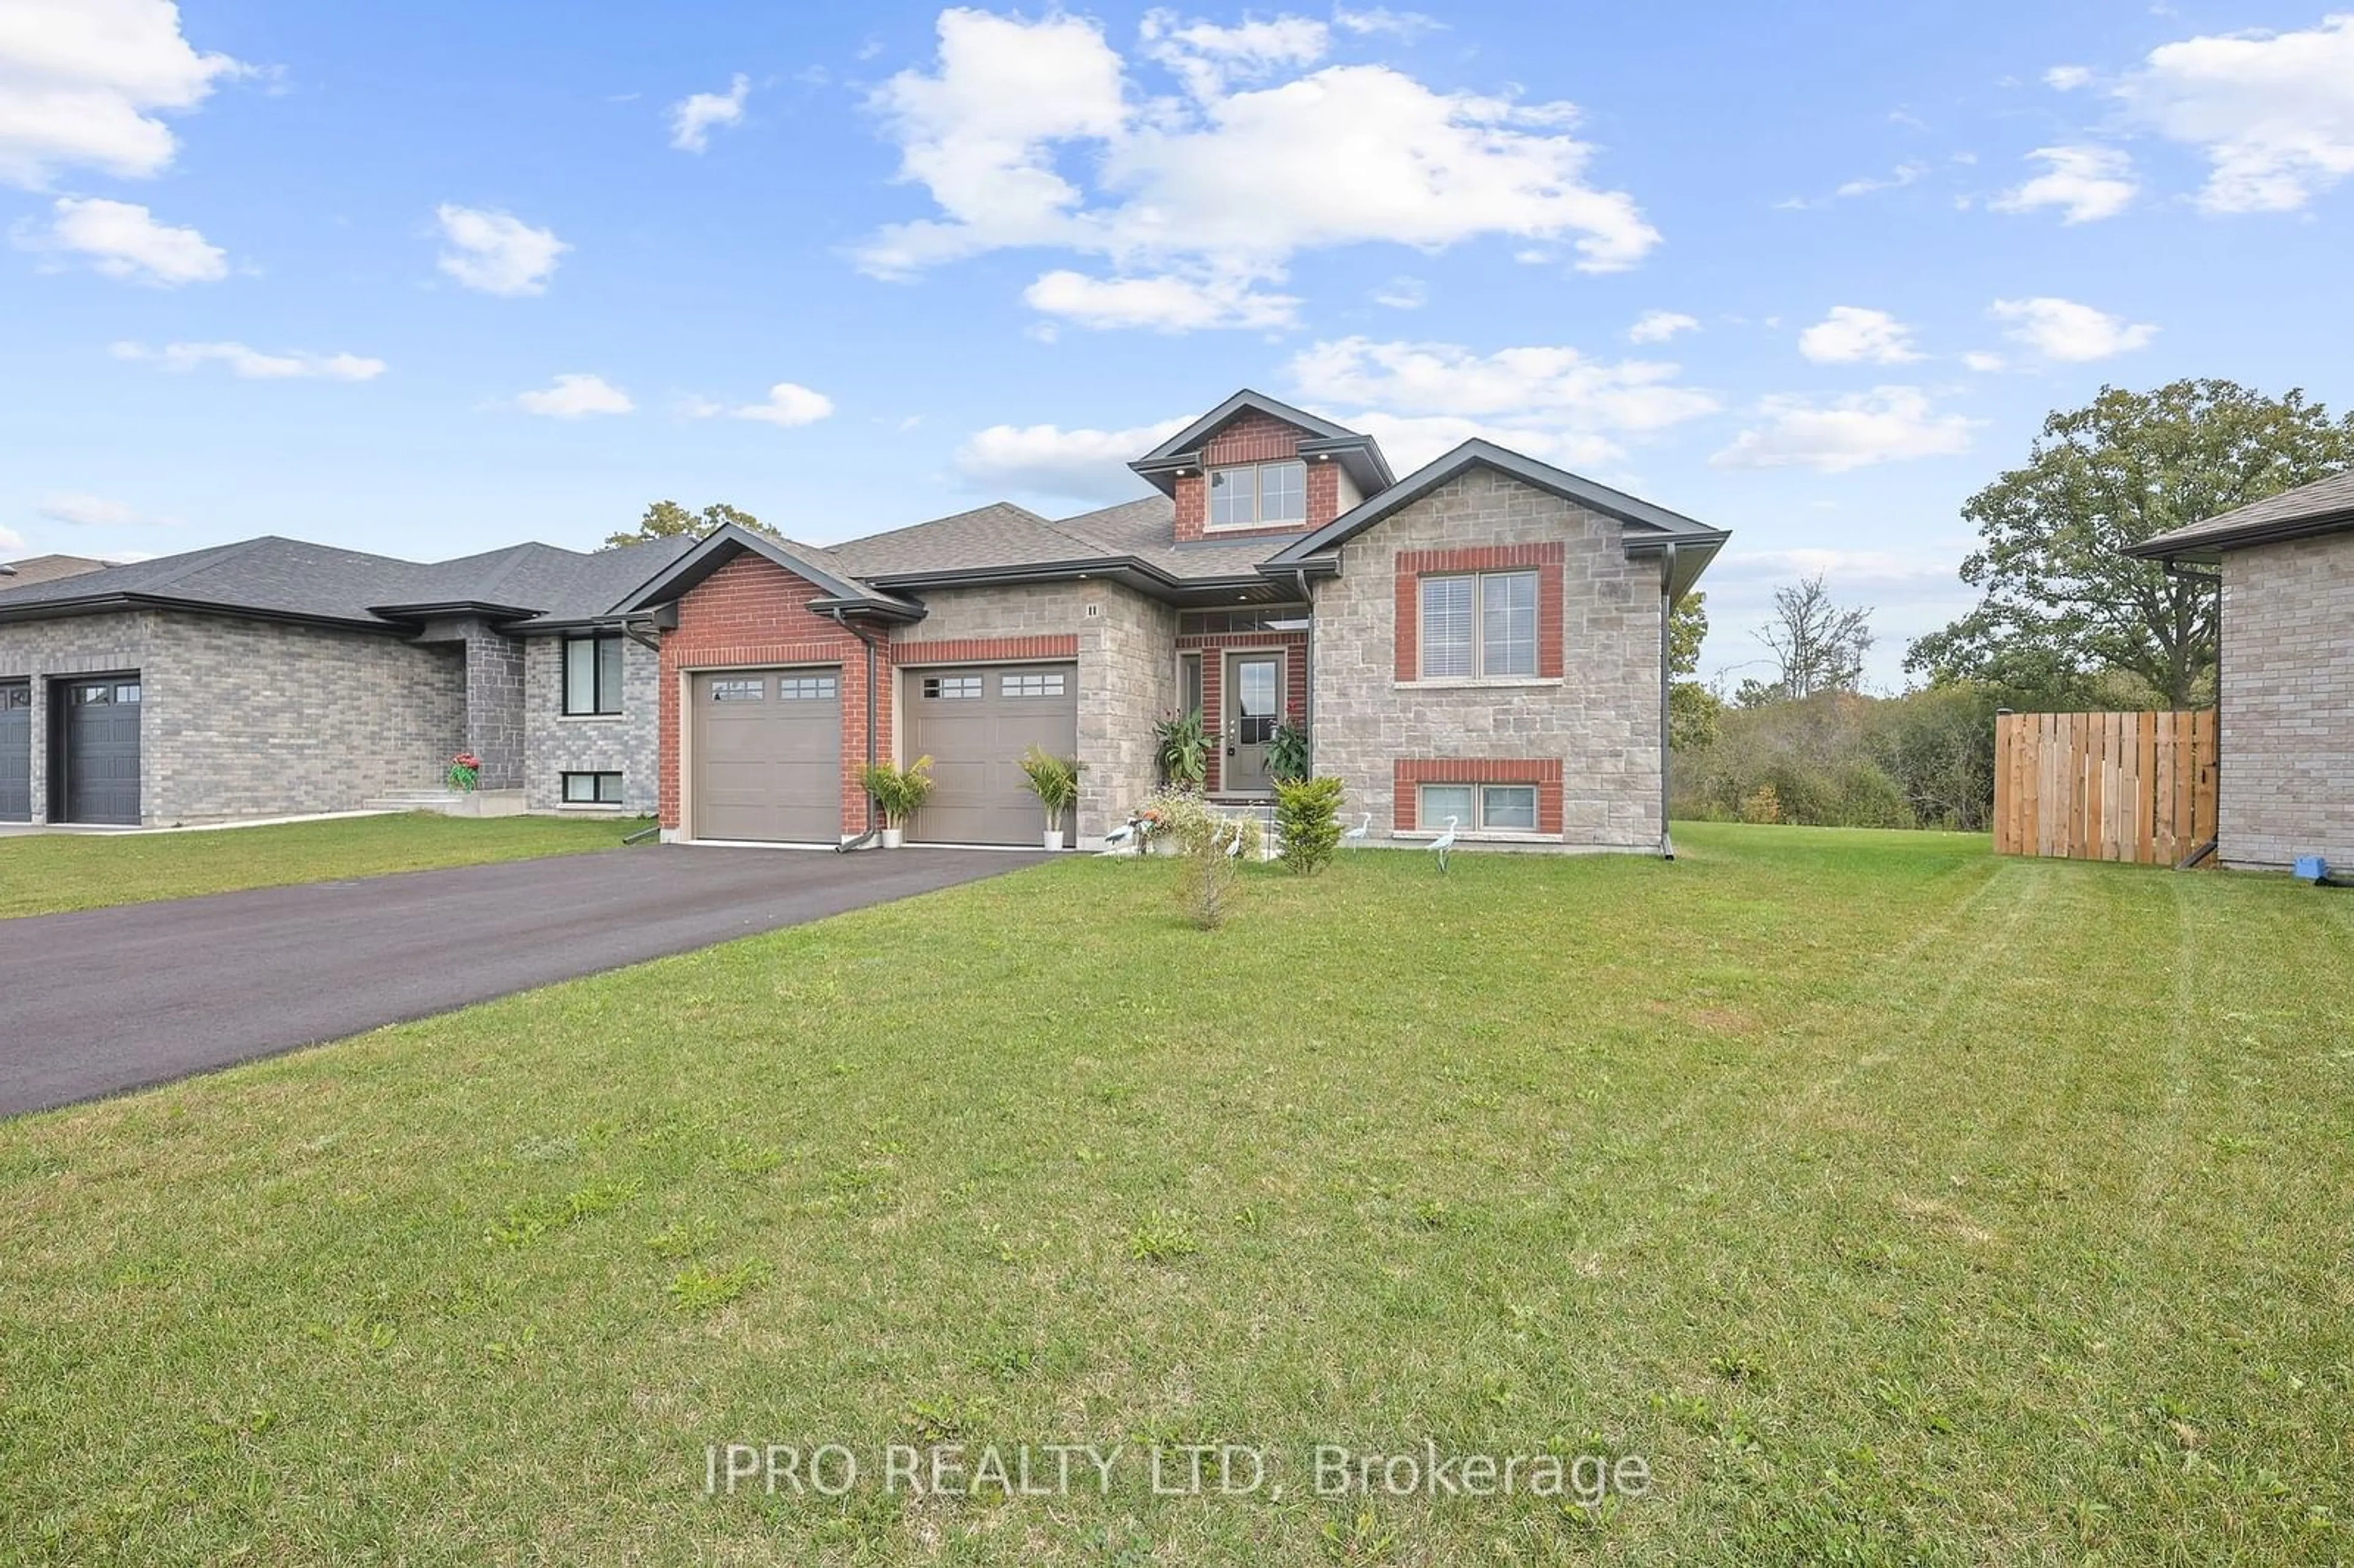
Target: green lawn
(41, 873)
(1892, 1203)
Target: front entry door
(1254, 707)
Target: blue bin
(2311, 868)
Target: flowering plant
(465, 772)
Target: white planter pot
(1053, 838)
(894, 837)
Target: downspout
(1307, 673)
(873, 827)
(1667, 615)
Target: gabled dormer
(1254, 468)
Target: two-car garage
(766, 749)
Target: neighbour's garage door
(766, 754)
(15, 751)
(101, 749)
(974, 723)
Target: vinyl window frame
(596, 795)
(1478, 817)
(605, 676)
(1478, 654)
(1295, 492)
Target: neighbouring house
(44, 569)
(273, 677)
(2284, 690)
(1483, 639)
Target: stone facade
(1125, 646)
(1597, 720)
(624, 743)
(252, 718)
(2286, 765)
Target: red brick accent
(1544, 772)
(1413, 565)
(1251, 437)
(752, 613)
(984, 650)
(1212, 646)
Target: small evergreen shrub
(1307, 822)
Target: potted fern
(1056, 782)
(897, 792)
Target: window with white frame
(1258, 495)
(1479, 625)
(1478, 808)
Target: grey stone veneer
(553, 745)
(2286, 753)
(1601, 718)
(249, 718)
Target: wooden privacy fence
(2137, 787)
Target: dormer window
(1260, 495)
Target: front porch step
(450, 802)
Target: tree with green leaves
(2062, 601)
(668, 520)
(1693, 709)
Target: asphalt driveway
(103, 1000)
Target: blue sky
(429, 277)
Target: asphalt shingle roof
(273, 576)
(2308, 503)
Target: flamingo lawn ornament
(1356, 835)
(1442, 843)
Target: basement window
(592, 789)
(1477, 809)
(592, 676)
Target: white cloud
(1887, 424)
(123, 239)
(78, 509)
(1048, 460)
(571, 397)
(81, 82)
(2087, 182)
(2062, 329)
(1982, 362)
(1032, 135)
(692, 118)
(252, 365)
(1402, 293)
(1658, 326)
(11, 540)
(2066, 78)
(2273, 112)
(1165, 303)
(1421, 399)
(788, 404)
(496, 252)
(1901, 176)
(1407, 25)
(1851, 335)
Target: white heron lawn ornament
(1442, 843)
(1356, 835)
(1122, 833)
(1234, 844)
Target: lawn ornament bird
(1442, 843)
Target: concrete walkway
(103, 1000)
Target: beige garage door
(767, 755)
(974, 723)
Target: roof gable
(1651, 529)
(814, 566)
(1358, 453)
